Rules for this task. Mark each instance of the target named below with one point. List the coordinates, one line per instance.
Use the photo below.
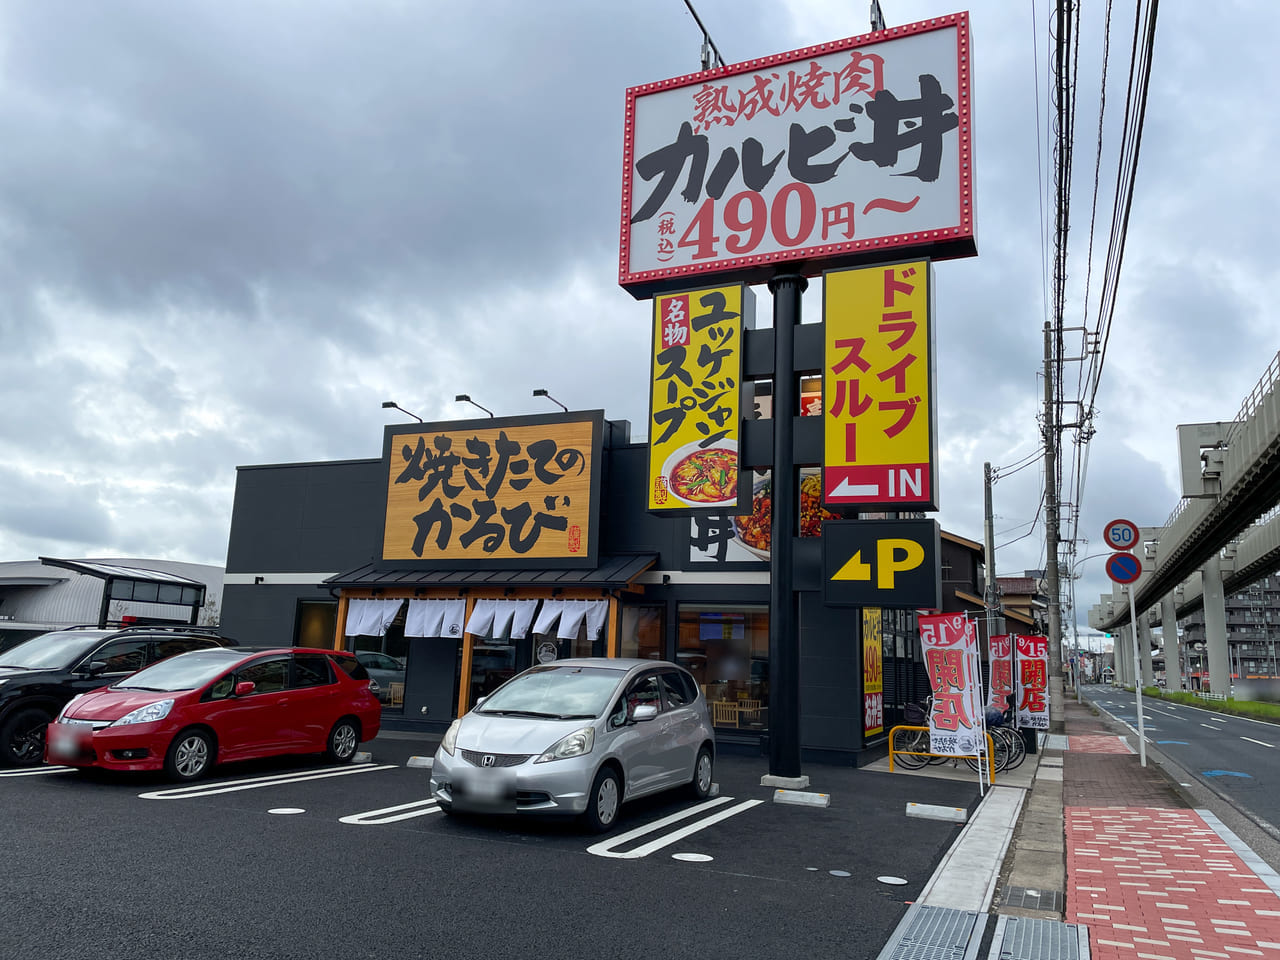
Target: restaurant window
(726, 648)
(642, 633)
(317, 624)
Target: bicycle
(1008, 747)
(910, 746)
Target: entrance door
(431, 679)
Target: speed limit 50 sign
(1121, 535)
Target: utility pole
(1057, 714)
(991, 591)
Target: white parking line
(233, 786)
(418, 808)
(606, 848)
(1259, 742)
(36, 772)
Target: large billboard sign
(878, 404)
(695, 400)
(508, 492)
(825, 156)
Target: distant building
(37, 596)
(1253, 634)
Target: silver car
(578, 737)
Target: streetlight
(463, 398)
(389, 404)
(542, 393)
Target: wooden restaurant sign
(498, 492)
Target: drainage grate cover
(935, 933)
(1021, 938)
(1029, 899)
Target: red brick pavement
(1150, 878)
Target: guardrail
(991, 750)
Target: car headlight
(148, 714)
(574, 745)
(451, 737)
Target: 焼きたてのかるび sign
(496, 491)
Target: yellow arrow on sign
(854, 569)
(892, 556)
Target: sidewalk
(1087, 835)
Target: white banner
(950, 644)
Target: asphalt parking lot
(305, 856)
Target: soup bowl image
(704, 476)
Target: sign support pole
(1137, 672)
(784, 612)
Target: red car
(184, 714)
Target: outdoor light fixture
(389, 404)
(463, 398)
(542, 393)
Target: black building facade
(306, 566)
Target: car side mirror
(95, 667)
(644, 711)
(479, 703)
(245, 687)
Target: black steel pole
(784, 610)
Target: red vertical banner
(1032, 679)
(1000, 653)
(950, 644)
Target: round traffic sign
(1124, 567)
(1121, 535)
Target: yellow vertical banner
(695, 399)
(872, 671)
(878, 403)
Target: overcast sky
(229, 231)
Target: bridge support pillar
(1172, 645)
(1144, 649)
(1215, 627)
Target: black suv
(39, 676)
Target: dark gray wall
(265, 615)
(306, 517)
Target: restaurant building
(389, 556)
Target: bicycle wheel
(909, 740)
(1017, 747)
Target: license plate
(65, 741)
(491, 791)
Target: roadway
(1235, 757)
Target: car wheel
(343, 740)
(22, 738)
(703, 769)
(189, 756)
(603, 801)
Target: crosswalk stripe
(234, 786)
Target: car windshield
(52, 651)
(186, 671)
(561, 692)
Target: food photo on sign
(748, 537)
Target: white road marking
(36, 772)
(1259, 742)
(606, 848)
(418, 808)
(234, 786)
(1210, 726)
(1219, 719)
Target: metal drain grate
(1029, 899)
(935, 933)
(1021, 938)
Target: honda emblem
(488, 760)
